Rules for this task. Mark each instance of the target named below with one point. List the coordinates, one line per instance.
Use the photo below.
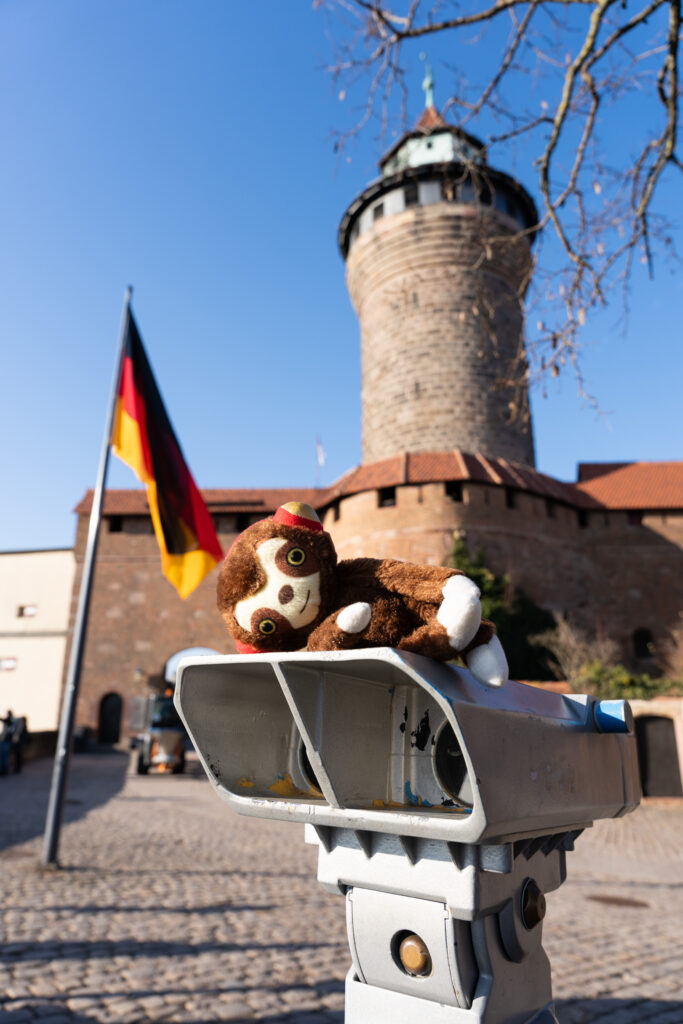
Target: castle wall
(439, 305)
(602, 570)
(137, 621)
(616, 572)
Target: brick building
(438, 258)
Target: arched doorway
(660, 774)
(109, 723)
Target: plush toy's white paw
(488, 663)
(460, 611)
(355, 617)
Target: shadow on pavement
(585, 1011)
(604, 1011)
(94, 779)
(323, 1016)
(149, 908)
(58, 1012)
(55, 950)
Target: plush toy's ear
(240, 573)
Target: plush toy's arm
(340, 631)
(420, 582)
(425, 640)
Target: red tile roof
(634, 485)
(430, 467)
(429, 119)
(251, 500)
(407, 468)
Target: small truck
(162, 746)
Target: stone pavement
(171, 908)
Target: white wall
(35, 643)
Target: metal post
(64, 740)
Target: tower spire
(428, 83)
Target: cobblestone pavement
(171, 908)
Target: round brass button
(414, 956)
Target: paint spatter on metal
(245, 782)
(422, 733)
(379, 805)
(402, 726)
(411, 798)
(285, 786)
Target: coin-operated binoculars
(442, 810)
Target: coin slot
(411, 955)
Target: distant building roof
(633, 485)
(251, 500)
(614, 485)
(430, 467)
(408, 468)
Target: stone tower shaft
(438, 263)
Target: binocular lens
(307, 768)
(450, 767)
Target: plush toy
(281, 588)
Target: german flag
(142, 436)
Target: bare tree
(599, 117)
(574, 650)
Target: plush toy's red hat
(296, 513)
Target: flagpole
(60, 770)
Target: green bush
(615, 681)
(516, 617)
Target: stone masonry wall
(441, 321)
(137, 621)
(612, 575)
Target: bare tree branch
(589, 57)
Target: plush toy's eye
(267, 627)
(296, 556)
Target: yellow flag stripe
(184, 571)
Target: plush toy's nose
(297, 513)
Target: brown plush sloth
(281, 588)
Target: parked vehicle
(162, 747)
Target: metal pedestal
(478, 911)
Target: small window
(510, 498)
(410, 196)
(635, 518)
(241, 522)
(115, 524)
(8, 664)
(454, 490)
(335, 512)
(550, 508)
(378, 211)
(387, 497)
(27, 611)
(582, 518)
(643, 644)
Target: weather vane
(428, 83)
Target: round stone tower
(438, 257)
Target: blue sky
(186, 149)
